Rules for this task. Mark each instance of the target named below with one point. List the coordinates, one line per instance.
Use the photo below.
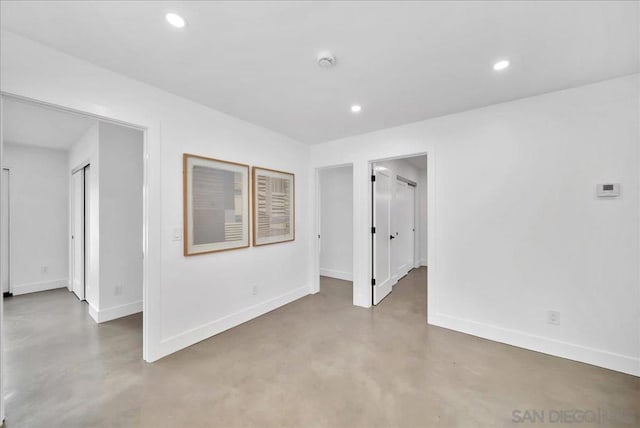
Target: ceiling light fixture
(175, 20)
(501, 65)
(356, 108)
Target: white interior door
(381, 238)
(4, 234)
(77, 234)
(404, 224)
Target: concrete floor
(317, 362)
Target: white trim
(423, 262)
(337, 274)
(34, 287)
(597, 357)
(95, 314)
(108, 314)
(205, 331)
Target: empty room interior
(332, 214)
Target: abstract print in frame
(216, 205)
(273, 206)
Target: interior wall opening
(71, 232)
(398, 222)
(335, 231)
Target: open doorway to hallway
(398, 221)
(335, 210)
(72, 248)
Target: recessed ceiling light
(356, 108)
(175, 20)
(501, 65)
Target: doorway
(335, 231)
(52, 192)
(398, 221)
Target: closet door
(77, 234)
(4, 234)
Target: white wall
(120, 154)
(515, 228)
(83, 152)
(336, 216)
(39, 211)
(187, 299)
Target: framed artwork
(216, 205)
(273, 206)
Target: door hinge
(373, 281)
(373, 230)
(373, 178)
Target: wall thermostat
(608, 190)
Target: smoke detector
(326, 60)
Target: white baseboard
(571, 351)
(34, 287)
(338, 274)
(423, 262)
(198, 334)
(108, 314)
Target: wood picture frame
(274, 203)
(215, 205)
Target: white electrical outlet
(254, 290)
(553, 317)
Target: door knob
(392, 237)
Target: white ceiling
(402, 61)
(36, 125)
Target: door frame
(150, 266)
(429, 188)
